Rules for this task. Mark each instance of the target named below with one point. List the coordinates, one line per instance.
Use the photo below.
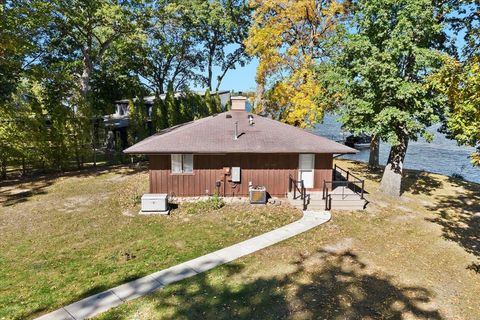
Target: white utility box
(235, 174)
(155, 203)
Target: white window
(182, 163)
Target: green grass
(65, 238)
(407, 258)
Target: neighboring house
(227, 153)
(117, 123)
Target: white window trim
(182, 164)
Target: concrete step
(342, 190)
(346, 201)
(335, 193)
(348, 204)
(346, 197)
(337, 200)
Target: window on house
(182, 163)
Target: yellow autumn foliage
(460, 82)
(286, 36)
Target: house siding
(269, 170)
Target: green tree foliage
(159, 114)
(21, 42)
(218, 102)
(64, 63)
(460, 82)
(137, 118)
(83, 31)
(379, 78)
(217, 24)
(210, 103)
(173, 108)
(196, 107)
(170, 53)
(459, 79)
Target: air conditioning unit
(258, 195)
(154, 203)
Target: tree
(22, 24)
(174, 112)
(218, 25)
(159, 114)
(288, 37)
(137, 120)
(82, 32)
(169, 53)
(382, 71)
(211, 106)
(459, 80)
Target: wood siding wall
(269, 170)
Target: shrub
(215, 202)
(212, 203)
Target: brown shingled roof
(215, 134)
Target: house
(230, 152)
(118, 122)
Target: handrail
(350, 179)
(302, 190)
(348, 173)
(327, 197)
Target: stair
(342, 199)
(345, 199)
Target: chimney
(239, 103)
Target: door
(306, 169)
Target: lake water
(442, 155)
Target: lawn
(416, 257)
(69, 236)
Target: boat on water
(361, 141)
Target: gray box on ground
(155, 202)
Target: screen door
(306, 169)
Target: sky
(240, 79)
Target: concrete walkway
(103, 301)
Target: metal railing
(345, 179)
(353, 182)
(293, 186)
(328, 199)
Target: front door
(306, 169)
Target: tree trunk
(373, 160)
(210, 75)
(211, 57)
(391, 183)
(77, 152)
(24, 169)
(86, 73)
(3, 169)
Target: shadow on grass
(37, 184)
(459, 217)
(420, 182)
(85, 294)
(336, 285)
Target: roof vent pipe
(250, 120)
(236, 131)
